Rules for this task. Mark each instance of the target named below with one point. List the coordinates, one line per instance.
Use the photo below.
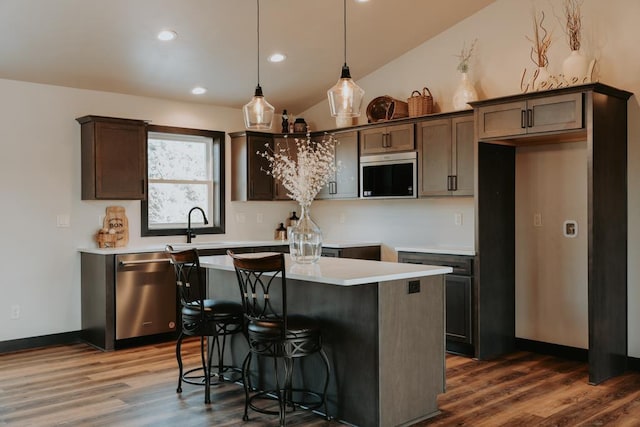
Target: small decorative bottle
(281, 232)
(293, 220)
(285, 122)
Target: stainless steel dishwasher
(145, 295)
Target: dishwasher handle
(144, 261)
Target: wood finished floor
(76, 385)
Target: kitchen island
(383, 331)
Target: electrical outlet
(457, 218)
(15, 312)
(259, 217)
(414, 287)
(101, 220)
(241, 218)
(343, 218)
(570, 228)
(537, 220)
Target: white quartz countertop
(338, 271)
(437, 250)
(339, 244)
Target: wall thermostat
(570, 228)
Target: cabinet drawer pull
(530, 117)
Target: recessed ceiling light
(198, 90)
(167, 35)
(277, 57)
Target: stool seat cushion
(214, 308)
(298, 326)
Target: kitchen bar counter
(339, 271)
(383, 331)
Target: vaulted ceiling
(111, 45)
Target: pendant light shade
(345, 98)
(258, 113)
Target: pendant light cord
(258, 32)
(344, 16)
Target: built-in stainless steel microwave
(391, 175)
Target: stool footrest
(195, 376)
(293, 401)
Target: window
(185, 169)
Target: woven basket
(420, 103)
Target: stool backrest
(189, 276)
(263, 287)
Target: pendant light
(345, 98)
(258, 113)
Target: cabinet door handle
(530, 117)
(251, 188)
(454, 183)
(333, 187)
(142, 182)
(448, 182)
(523, 119)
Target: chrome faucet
(190, 233)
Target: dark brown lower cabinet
(362, 252)
(458, 297)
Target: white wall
(610, 35)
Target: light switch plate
(63, 220)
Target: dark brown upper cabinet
(385, 139)
(113, 152)
(445, 156)
(523, 117)
(249, 178)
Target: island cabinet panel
(410, 369)
(459, 297)
(595, 113)
(248, 168)
(114, 158)
(344, 182)
(385, 139)
(445, 156)
(531, 116)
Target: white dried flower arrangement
(303, 173)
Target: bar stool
(276, 334)
(202, 317)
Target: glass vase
(305, 239)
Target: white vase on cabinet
(576, 68)
(464, 94)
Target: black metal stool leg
(206, 363)
(326, 382)
(245, 381)
(179, 358)
(282, 401)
